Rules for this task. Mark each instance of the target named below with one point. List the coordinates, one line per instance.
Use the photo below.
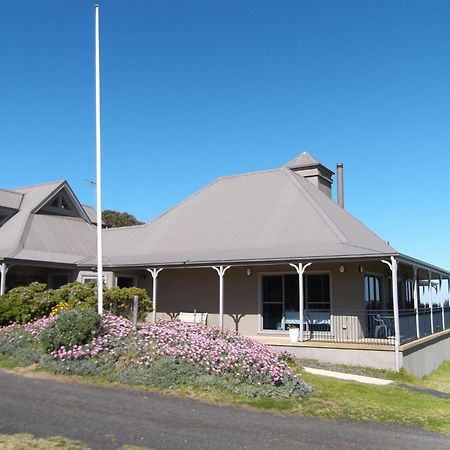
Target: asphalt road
(106, 418)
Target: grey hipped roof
(262, 216)
(31, 236)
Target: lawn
(22, 441)
(218, 366)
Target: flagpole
(99, 172)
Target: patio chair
(381, 327)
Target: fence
(373, 327)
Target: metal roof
(269, 215)
(10, 199)
(29, 235)
(260, 217)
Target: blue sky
(193, 90)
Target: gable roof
(29, 235)
(263, 216)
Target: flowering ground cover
(166, 354)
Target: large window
(372, 294)
(318, 291)
(280, 297)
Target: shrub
(82, 367)
(70, 328)
(165, 372)
(20, 345)
(26, 303)
(75, 295)
(119, 301)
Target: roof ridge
(10, 191)
(190, 197)
(38, 185)
(340, 235)
(352, 244)
(245, 174)
(142, 225)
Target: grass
(339, 399)
(439, 379)
(335, 399)
(27, 441)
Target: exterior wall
(378, 359)
(421, 359)
(198, 289)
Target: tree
(115, 219)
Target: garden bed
(165, 354)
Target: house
(259, 252)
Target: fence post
(135, 311)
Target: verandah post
(221, 272)
(393, 266)
(430, 301)
(441, 296)
(416, 300)
(3, 270)
(154, 273)
(300, 268)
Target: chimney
(313, 171)
(340, 184)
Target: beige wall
(198, 289)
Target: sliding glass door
(280, 298)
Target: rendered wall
(422, 359)
(198, 289)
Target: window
(409, 297)
(318, 291)
(126, 282)
(280, 297)
(372, 294)
(85, 279)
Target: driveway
(106, 418)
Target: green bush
(26, 303)
(71, 327)
(119, 301)
(76, 295)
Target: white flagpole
(99, 172)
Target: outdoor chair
(381, 327)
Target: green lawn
(21, 441)
(338, 399)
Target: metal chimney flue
(340, 184)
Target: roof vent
(314, 171)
